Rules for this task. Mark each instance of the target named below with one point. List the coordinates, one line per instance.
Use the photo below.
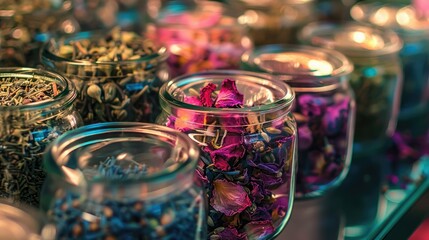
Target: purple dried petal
(258, 192)
(270, 181)
(192, 100)
(335, 119)
(229, 198)
(311, 105)
(226, 156)
(259, 229)
(270, 168)
(305, 137)
(230, 233)
(229, 96)
(280, 207)
(206, 95)
(233, 123)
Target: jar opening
(118, 153)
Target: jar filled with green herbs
(117, 73)
(36, 106)
(376, 79)
(26, 24)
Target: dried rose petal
(311, 105)
(229, 96)
(229, 198)
(259, 229)
(305, 137)
(206, 95)
(335, 119)
(226, 155)
(231, 233)
(192, 100)
(280, 207)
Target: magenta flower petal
(259, 229)
(228, 96)
(206, 95)
(305, 137)
(226, 156)
(311, 105)
(335, 119)
(231, 233)
(229, 198)
(192, 100)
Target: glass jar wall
(413, 29)
(200, 35)
(324, 110)
(124, 181)
(376, 79)
(243, 124)
(36, 107)
(25, 25)
(117, 73)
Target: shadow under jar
(324, 110)
(117, 73)
(199, 36)
(124, 181)
(26, 24)
(36, 106)
(376, 79)
(413, 29)
(243, 124)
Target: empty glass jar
(324, 110)
(36, 107)
(413, 29)
(376, 79)
(243, 124)
(199, 36)
(117, 73)
(124, 181)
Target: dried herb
(24, 136)
(118, 79)
(168, 217)
(245, 165)
(323, 137)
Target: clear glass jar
(36, 107)
(247, 137)
(324, 110)
(117, 73)
(200, 36)
(25, 25)
(414, 31)
(276, 21)
(376, 79)
(23, 223)
(124, 181)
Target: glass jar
(124, 180)
(414, 31)
(276, 21)
(324, 110)
(25, 25)
(376, 79)
(36, 107)
(202, 36)
(23, 223)
(243, 124)
(117, 73)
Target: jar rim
(258, 78)
(339, 64)
(323, 34)
(62, 100)
(48, 55)
(58, 152)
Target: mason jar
(26, 25)
(243, 124)
(117, 73)
(376, 79)
(124, 180)
(199, 36)
(21, 222)
(36, 107)
(413, 29)
(324, 110)
(276, 21)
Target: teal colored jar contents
(36, 106)
(376, 79)
(243, 124)
(324, 110)
(124, 181)
(414, 31)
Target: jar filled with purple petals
(324, 109)
(244, 126)
(202, 35)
